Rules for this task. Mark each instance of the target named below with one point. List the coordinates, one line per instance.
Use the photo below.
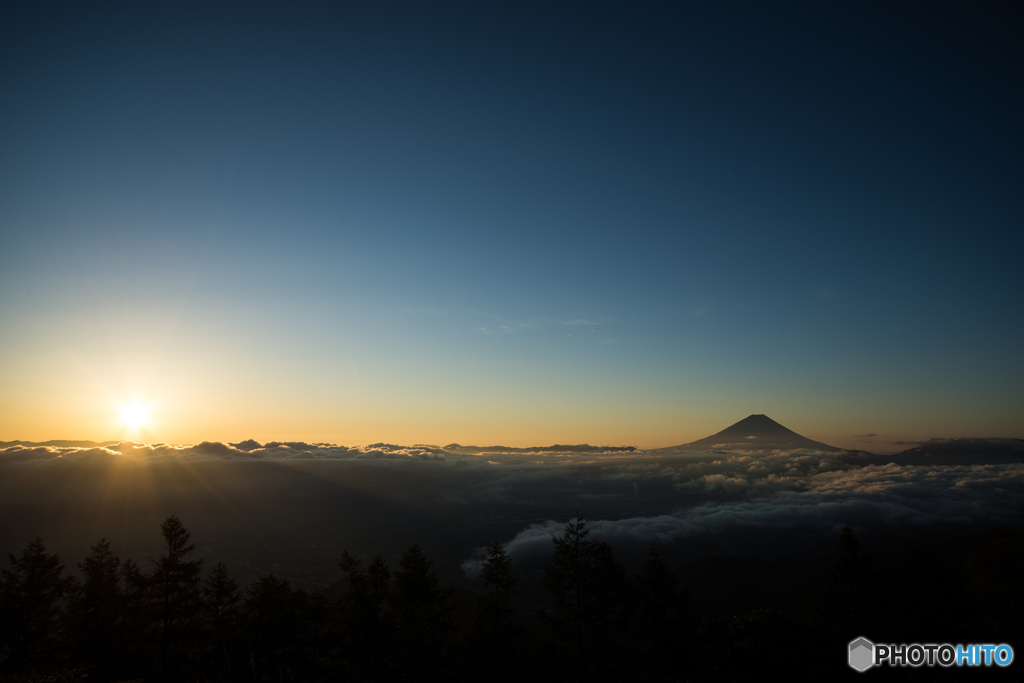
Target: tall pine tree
(423, 617)
(364, 611)
(174, 591)
(567, 578)
(31, 601)
(220, 600)
(133, 627)
(661, 621)
(495, 643)
(272, 614)
(589, 590)
(95, 608)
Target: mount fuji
(754, 433)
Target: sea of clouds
(791, 495)
(639, 498)
(216, 450)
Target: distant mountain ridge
(957, 451)
(557, 448)
(754, 433)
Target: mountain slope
(758, 433)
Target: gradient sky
(576, 223)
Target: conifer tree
(133, 627)
(318, 634)
(661, 606)
(174, 588)
(423, 616)
(495, 641)
(994, 569)
(847, 603)
(378, 585)
(661, 619)
(590, 592)
(567, 578)
(501, 580)
(220, 599)
(609, 584)
(31, 596)
(272, 613)
(365, 624)
(95, 608)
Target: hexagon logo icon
(862, 654)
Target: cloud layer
(524, 496)
(795, 494)
(216, 450)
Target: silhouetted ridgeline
(557, 448)
(180, 620)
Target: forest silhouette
(116, 621)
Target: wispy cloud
(503, 326)
(499, 325)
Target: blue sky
(580, 223)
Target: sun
(135, 415)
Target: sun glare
(135, 415)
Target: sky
(519, 224)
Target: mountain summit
(754, 433)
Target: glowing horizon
(522, 258)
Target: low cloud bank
(251, 449)
(208, 450)
(795, 493)
(632, 498)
